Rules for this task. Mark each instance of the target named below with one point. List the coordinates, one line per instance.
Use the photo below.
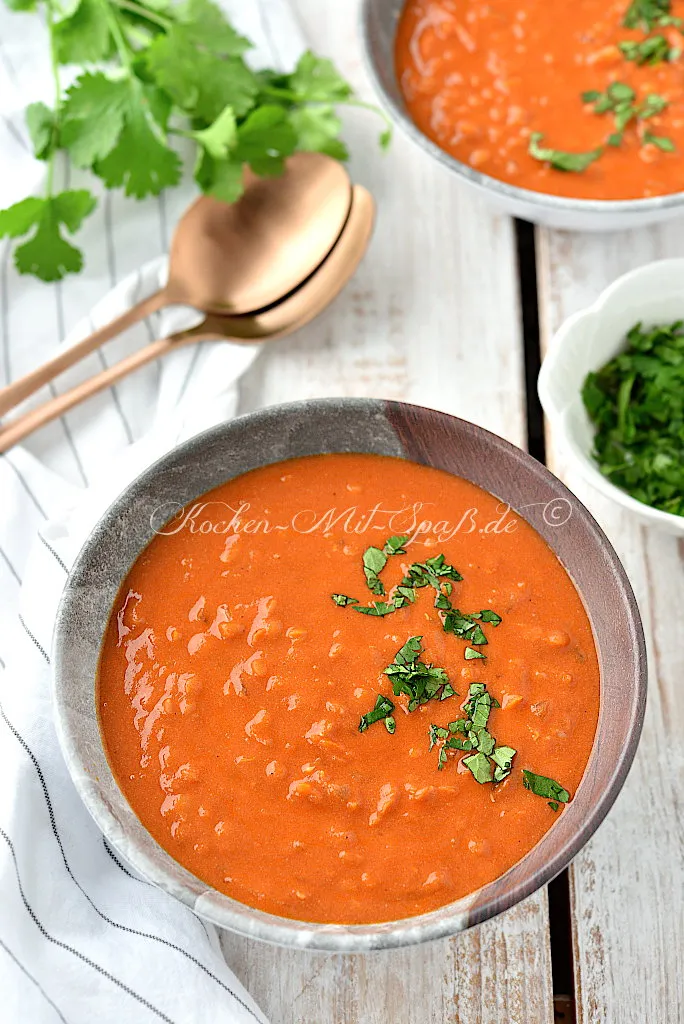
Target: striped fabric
(81, 937)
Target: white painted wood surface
(627, 886)
(432, 317)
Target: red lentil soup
(234, 691)
(484, 78)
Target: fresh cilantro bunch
(154, 69)
(636, 402)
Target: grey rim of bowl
(445, 921)
(546, 200)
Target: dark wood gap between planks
(560, 922)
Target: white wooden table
(434, 317)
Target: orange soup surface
(480, 77)
(232, 688)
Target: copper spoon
(288, 316)
(232, 259)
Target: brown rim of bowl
(389, 92)
(405, 431)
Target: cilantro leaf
(223, 179)
(264, 139)
(648, 51)
(395, 546)
(649, 14)
(494, 764)
(558, 158)
(471, 654)
(317, 80)
(503, 761)
(374, 561)
(198, 61)
(42, 128)
(419, 681)
(636, 404)
(84, 37)
(93, 116)
(383, 709)
(661, 142)
(47, 254)
(317, 131)
(140, 161)
(342, 600)
(548, 788)
(221, 136)
(480, 766)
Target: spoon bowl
(294, 312)
(235, 258)
(241, 258)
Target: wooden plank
(432, 317)
(626, 886)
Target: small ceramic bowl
(386, 428)
(653, 294)
(379, 20)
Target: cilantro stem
(289, 95)
(144, 12)
(122, 47)
(54, 64)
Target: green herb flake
(660, 141)
(395, 546)
(653, 50)
(383, 709)
(342, 600)
(471, 654)
(374, 561)
(548, 788)
(649, 14)
(636, 404)
(390, 725)
(480, 766)
(558, 158)
(414, 678)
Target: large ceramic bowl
(379, 20)
(652, 295)
(386, 428)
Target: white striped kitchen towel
(82, 938)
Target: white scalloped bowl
(653, 294)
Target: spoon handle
(16, 392)
(16, 430)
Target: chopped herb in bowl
(636, 403)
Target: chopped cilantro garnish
(374, 561)
(342, 600)
(660, 141)
(390, 724)
(649, 14)
(411, 676)
(503, 759)
(620, 100)
(383, 709)
(395, 546)
(479, 705)
(548, 788)
(649, 51)
(480, 766)
(636, 403)
(558, 158)
(471, 654)
(471, 734)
